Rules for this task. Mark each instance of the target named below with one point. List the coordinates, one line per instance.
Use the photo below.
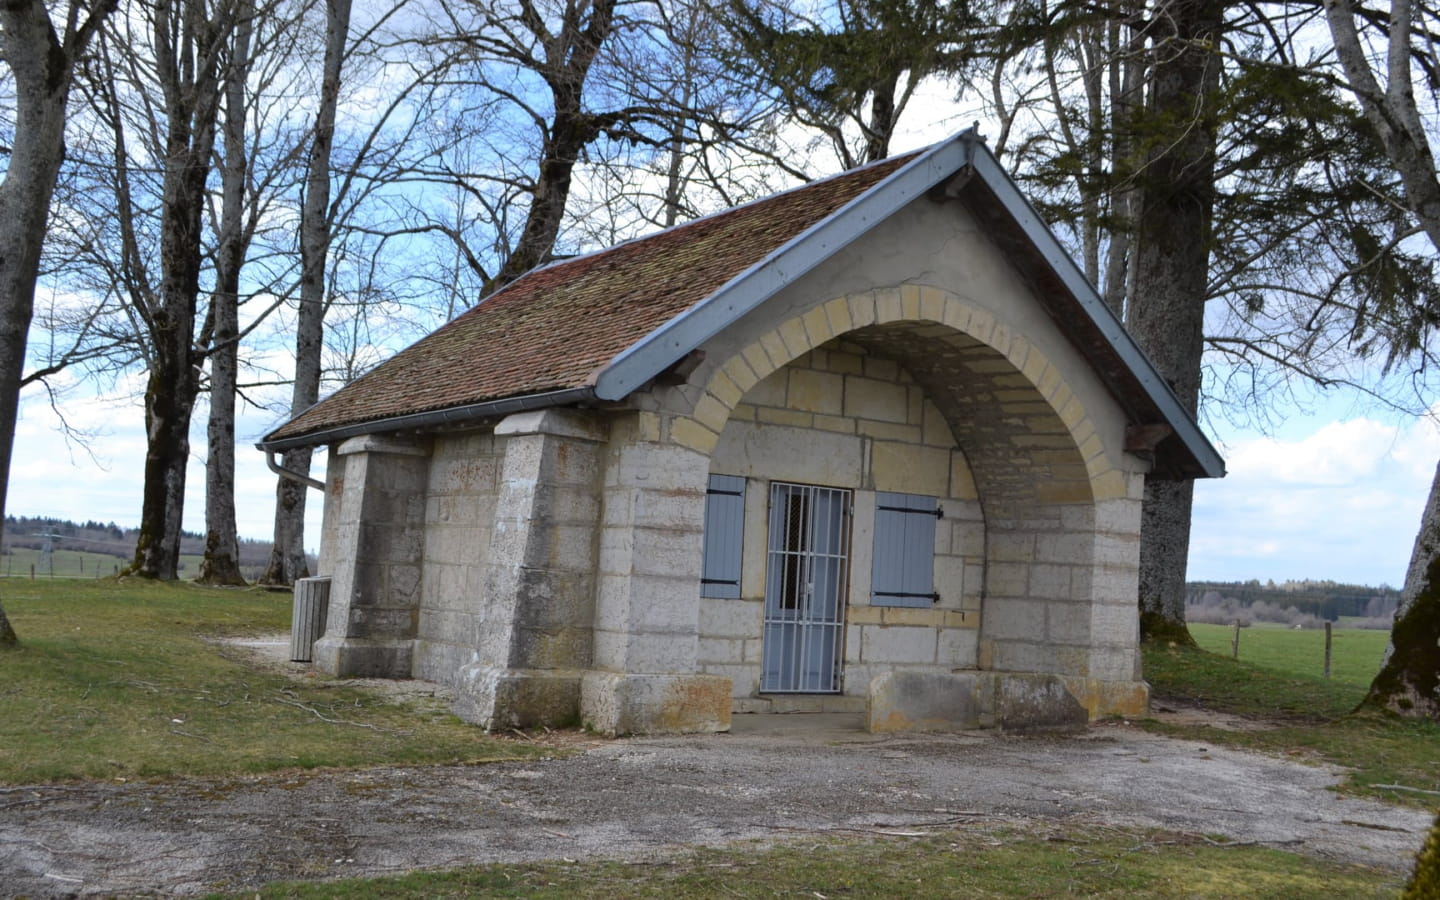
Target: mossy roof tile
(556, 327)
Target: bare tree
(287, 554)
(221, 562)
(158, 82)
(540, 60)
(42, 63)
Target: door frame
(809, 530)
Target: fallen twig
(830, 830)
(324, 718)
(1214, 843)
(188, 734)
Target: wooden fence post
(1235, 641)
(1327, 649)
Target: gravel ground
(641, 797)
(771, 777)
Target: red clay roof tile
(556, 327)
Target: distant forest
(1303, 604)
(110, 539)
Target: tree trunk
(189, 79)
(1409, 678)
(42, 66)
(881, 127)
(1126, 72)
(221, 564)
(169, 401)
(287, 562)
(1172, 258)
(287, 552)
(570, 132)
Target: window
(903, 568)
(724, 537)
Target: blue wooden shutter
(724, 535)
(903, 565)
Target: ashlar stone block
(617, 703)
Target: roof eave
(1208, 462)
(449, 416)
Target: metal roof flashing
(1024, 216)
(786, 264)
(450, 415)
(642, 361)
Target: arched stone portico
(1060, 509)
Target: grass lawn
(20, 562)
(1079, 861)
(115, 679)
(1354, 652)
(1312, 715)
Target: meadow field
(1355, 652)
(25, 562)
(125, 678)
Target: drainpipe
(291, 474)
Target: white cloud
(1338, 453)
(1342, 501)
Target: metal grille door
(806, 573)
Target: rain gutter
(454, 415)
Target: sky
(1323, 497)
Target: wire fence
(22, 562)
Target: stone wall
(462, 488)
(374, 534)
(1044, 444)
(840, 416)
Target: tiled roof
(556, 327)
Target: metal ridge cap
(445, 416)
(779, 268)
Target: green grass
(1354, 652)
(1311, 718)
(1077, 862)
(114, 679)
(1215, 681)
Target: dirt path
(772, 777)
